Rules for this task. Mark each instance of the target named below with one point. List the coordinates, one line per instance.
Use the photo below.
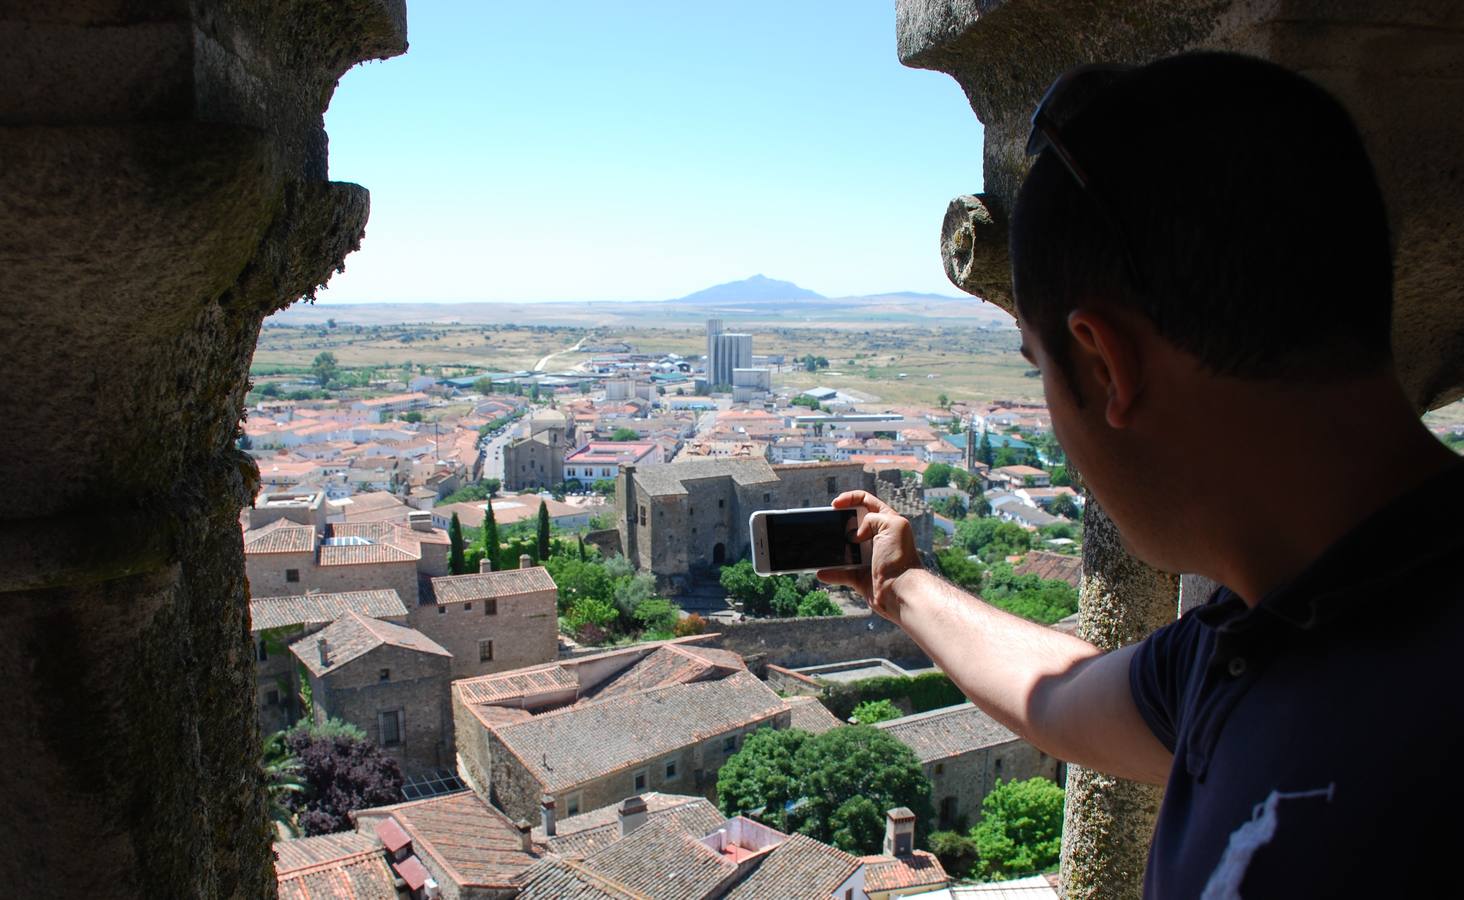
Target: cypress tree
(543, 530)
(983, 450)
(455, 563)
(490, 537)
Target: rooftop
(280, 536)
(667, 480)
(798, 868)
(332, 866)
(318, 609)
(581, 835)
(812, 716)
(355, 635)
(570, 746)
(664, 861)
(484, 585)
(471, 840)
(951, 731)
(891, 873)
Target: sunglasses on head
(1072, 92)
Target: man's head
(1230, 240)
(1247, 204)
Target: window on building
(848, 894)
(672, 772)
(722, 503)
(441, 610)
(729, 744)
(833, 488)
(767, 498)
(940, 768)
(292, 575)
(643, 515)
(490, 606)
(640, 780)
(389, 725)
(263, 651)
(693, 529)
(485, 651)
(384, 675)
(468, 606)
(997, 767)
(272, 698)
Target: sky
(645, 150)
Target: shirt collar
(1416, 528)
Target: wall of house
(969, 777)
(266, 573)
(524, 632)
(418, 686)
(794, 643)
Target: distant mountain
(756, 288)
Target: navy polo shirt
(1317, 737)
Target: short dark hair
(1248, 204)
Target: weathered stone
(162, 183)
(973, 246)
(1108, 821)
(1399, 71)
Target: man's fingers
(873, 524)
(843, 577)
(860, 498)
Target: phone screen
(812, 540)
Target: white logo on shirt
(1224, 883)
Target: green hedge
(920, 693)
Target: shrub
(692, 624)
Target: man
(1203, 276)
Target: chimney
(632, 814)
(546, 814)
(526, 835)
(485, 565)
(420, 520)
(899, 832)
(324, 648)
(525, 561)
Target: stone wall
(967, 778)
(794, 643)
(267, 576)
(524, 631)
(165, 187)
(417, 687)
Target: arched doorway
(719, 554)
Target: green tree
(980, 506)
(1007, 456)
(937, 474)
(543, 531)
(1020, 832)
(762, 780)
(590, 620)
(657, 614)
(324, 368)
(817, 603)
(1064, 505)
(984, 451)
(1060, 477)
(959, 570)
(490, 536)
(483, 385)
(950, 507)
(625, 434)
(745, 586)
(455, 562)
(786, 597)
(871, 711)
(578, 580)
(849, 778)
(604, 487)
(943, 401)
(412, 417)
(281, 781)
(1041, 600)
(956, 852)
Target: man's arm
(1060, 693)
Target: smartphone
(789, 541)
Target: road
(539, 366)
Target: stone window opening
(729, 744)
(833, 487)
(292, 575)
(572, 804)
(722, 504)
(672, 772)
(384, 675)
(272, 698)
(441, 610)
(263, 654)
(490, 606)
(389, 727)
(643, 515)
(641, 779)
(485, 651)
(468, 606)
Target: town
(509, 643)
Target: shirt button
(1237, 666)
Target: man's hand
(891, 555)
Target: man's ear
(1106, 354)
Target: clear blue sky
(645, 150)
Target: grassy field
(963, 363)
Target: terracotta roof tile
(812, 716)
(574, 745)
(318, 609)
(280, 536)
(562, 879)
(947, 732)
(890, 873)
(360, 876)
(1052, 566)
(461, 588)
(354, 635)
(581, 835)
(466, 836)
(798, 868)
(518, 683)
(308, 851)
(664, 862)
